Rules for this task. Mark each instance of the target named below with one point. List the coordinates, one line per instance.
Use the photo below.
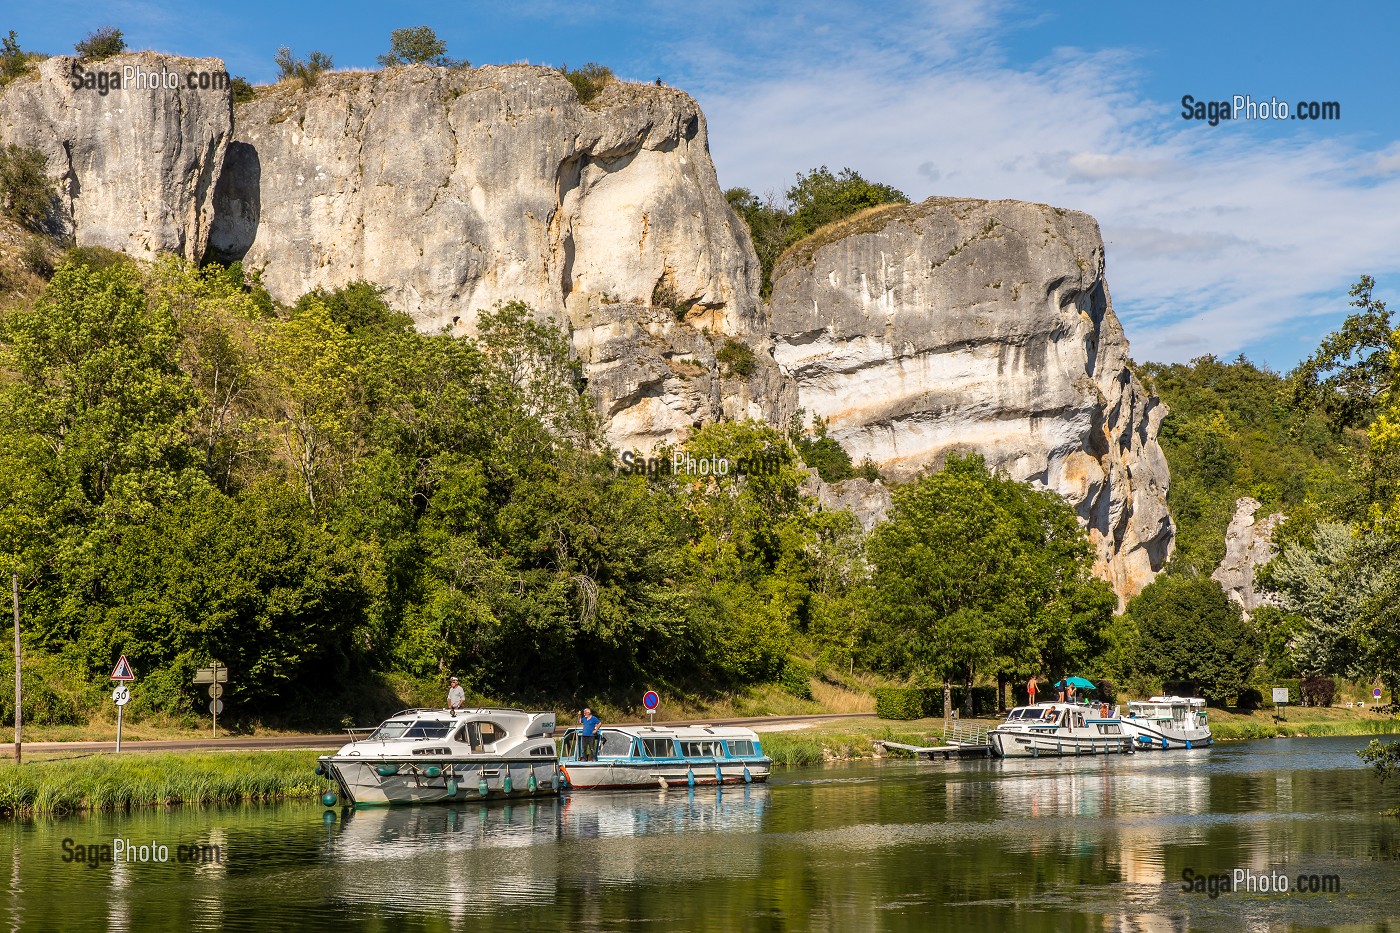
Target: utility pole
(19, 686)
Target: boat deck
(939, 751)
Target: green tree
(14, 61)
(1355, 367)
(305, 70)
(1189, 630)
(101, 43)
(974, 571)
(418, 45)
(27, 195)
(820, 198)
(820, 451)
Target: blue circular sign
(651, 701)
(1376, 693)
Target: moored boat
(436, 756)
(1060, 729)
(662, 756)
(1168, 722)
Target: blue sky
(1242, 237)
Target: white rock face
(461, 189)
(136, 166)
(1248, 546)
(959, 325)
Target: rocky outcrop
(136, 160)
(951, 325)
(1248, 546)
(869, 501)
(460, 189)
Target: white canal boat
(1060, 729)
(438, 756)
(1168, 722)
(663, 756)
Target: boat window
(569, 746)
(480, 734)
(428, 729)
(701, 749)
(659, 748)
(615, 744)
(393, 729)
(1109, 729)
(742, 748)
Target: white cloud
(1220, 239)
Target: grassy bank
(1227, 725)
(123, 782)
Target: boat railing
(960, 733)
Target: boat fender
(481, 786)
(1164, 741)
(328, 799)
(506, 785)
(320, 770)
(532, 784)
(1188, 745)
(451, 787)
(433, 771)
(719, 775)
(748, 778)
(387, 770)
(661, 779)
(561, 775)
(689, 777)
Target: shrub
(796, 679)
(14, 62)
(737, 359)
(307, 70)
(242, 90)
(418, 45)
(899, 702)
(1318, 691)
(1250, 698)
(26, 194)
(35, 258)
(94, 258)
(589, 80)
(101, 43)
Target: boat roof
(1169, 701)
(687, 732)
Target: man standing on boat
(456, 697)
(1030, 690)
(590, 725)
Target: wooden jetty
(959, 741)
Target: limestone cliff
(135, 164)
(1248, 546)
(460, 189)
(918, 330)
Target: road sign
(1376, 693)
(216, 690)
(122, 695)
(123, 670)
(209, 675)
(1280, 694)
(651, 701)
(216, 706)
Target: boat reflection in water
(473, 860)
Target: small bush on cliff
(418, 45)
(14, 61)
(820, 451)
(101, 43)
(242, 90)
(307, 70)
(26, 194)
(589, 80)
(737, 359)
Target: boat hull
(619, 774)
(364, 782)
(1009, 744)
(1148, 737)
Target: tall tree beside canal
(977, 574)
(1188, 630)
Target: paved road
(263, 743)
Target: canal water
(1062, 845)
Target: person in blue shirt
(590, 723)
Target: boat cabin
(669, 744)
